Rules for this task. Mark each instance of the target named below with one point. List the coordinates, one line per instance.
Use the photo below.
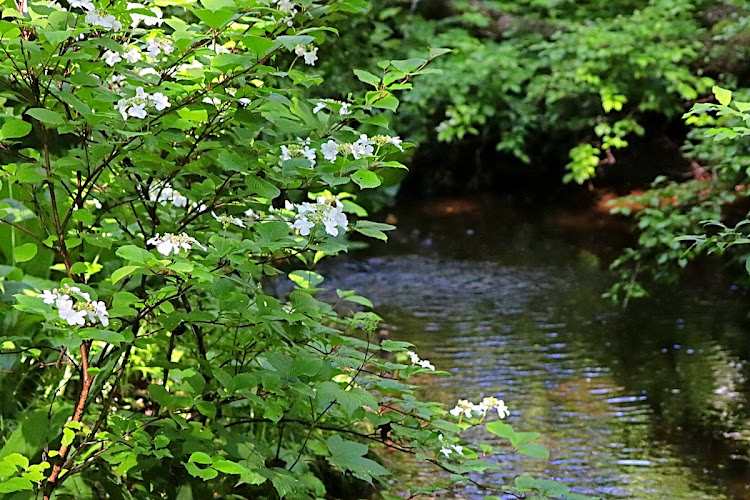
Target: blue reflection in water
(647, 403)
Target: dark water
(646, 403)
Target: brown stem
(62, 453)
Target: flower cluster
(173, 243)
(136, 106)
(75, 306)
(165, 193)
(96, 18)
(302, 150)
(467, 408)
(332, 217)
(307, 52)
(155, 46)
(414, 358)
(363, 147)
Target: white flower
(164, 193)
(137, 110)
(396, 141)
(122, 106)
(105, 21)
(336, 217)
(321, 105)
(311, 56)
(330, 149)
(155, 46)
(285, 6)
(458, 449)
(69, 314)
(159, 101)
(311, 214)
(414, 358)
(82, 4)
(213, 101)
(491, 403)
(426, 364)
(48, 296)
(244, 102)
(112, 58)
(446, 451)
(132, 55)
(250, 214)
(155, 20)
(77, 291)
(94, 203)
(303, 225)
(309, 153)
(56, 5)
(363, 147)
(463, 407)
(99, 312)
(136, 106)
(344, 109)
(173, 243)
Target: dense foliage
(167, 190)
(565, 87)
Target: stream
(649, 402)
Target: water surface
(646, 403)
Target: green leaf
(228, 467)
(119, 274)
(367, 77)
(16, 484)
(262, 187)
(25, 252)
(107, 336)
(205, 474)
(534, 450)
(500, 429)
(724, 96)
(215, 18)
(46, 116)
(373, 229)
(306, 279)
(206, 408)
(13, 129)
(200, 458)
(366, 179)
(349, 456)
(134, 254)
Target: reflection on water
(647, 403)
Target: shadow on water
(645, 403)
